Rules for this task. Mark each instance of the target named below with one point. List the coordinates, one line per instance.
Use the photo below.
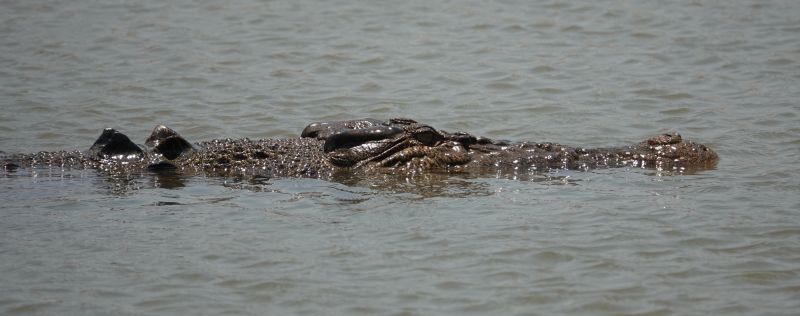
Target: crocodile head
(395, 144)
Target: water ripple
(622, 241)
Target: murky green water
(603, 242)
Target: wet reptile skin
(396, 146)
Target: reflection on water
(168, 179)
(424, 241)
(423, 184)
(430, 240)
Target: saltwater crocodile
(400, 146)
(408, 146)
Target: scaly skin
(398, 146)
(681, 156)
(462, 152)
(514, 158)
(296, 157)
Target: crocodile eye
(424, 137)
(427, 137)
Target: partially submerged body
(399, 146)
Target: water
(603, 242)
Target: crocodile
(396, 146)
(423, 148)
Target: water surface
(589, 73)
